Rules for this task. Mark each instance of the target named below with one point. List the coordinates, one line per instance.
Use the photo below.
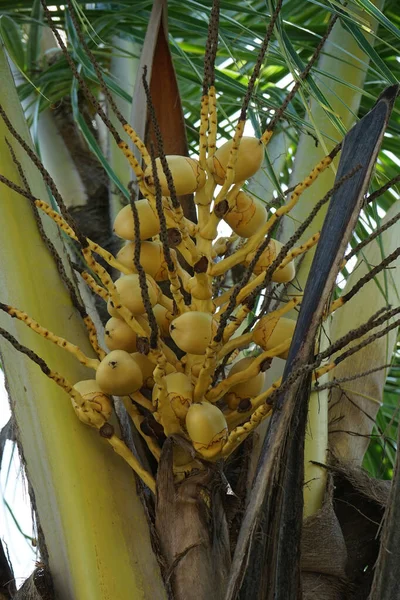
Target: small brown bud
(142, 345)
(106, 431)
(265, 365)
(201, 266)
(244, 405)
(174, 237)
(221, 209)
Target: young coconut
(148, 219)
(284, 275)
(128, 287)
(183, 463)
(95, 400)
(193, 331)
(163, 318)
(187, 175)
(151, 258)
(119, 336)
(247, 215)
(179, 393)
(207, 428)
(269, 333)
(119, 374)
(146, 367)
(249, 160)
(247, 389)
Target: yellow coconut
(146, 367)
(183, 463)
(247, 215)
(151, 258)
(119, 374)
(119, 336)
(163, 318)
(270, 333)
(247, 389)
(207, 428)
(193, 331)
(280, 275)
(128, 287)
(91, 392)
(187, 175)
(148, 219)
(179, 393)
(249, 160)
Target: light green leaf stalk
(93, 522)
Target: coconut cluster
(181, 387)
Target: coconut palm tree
(227, 527)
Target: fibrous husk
(38, 586)
(340, 542)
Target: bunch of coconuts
(187, 334)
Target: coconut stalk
(84, 495)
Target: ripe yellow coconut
(163, 318)
(249, 160)
(269, 333)
(148, 219)
(187, 175)
(119, 374)
(146, 367)
(119, 336)
(280, 275)
(151, 258)
(247, 215)
(207, 428)
(193, 331)
(128, 287)
(91, 392)
(183, 463)
(246, 389)
(179, 393)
